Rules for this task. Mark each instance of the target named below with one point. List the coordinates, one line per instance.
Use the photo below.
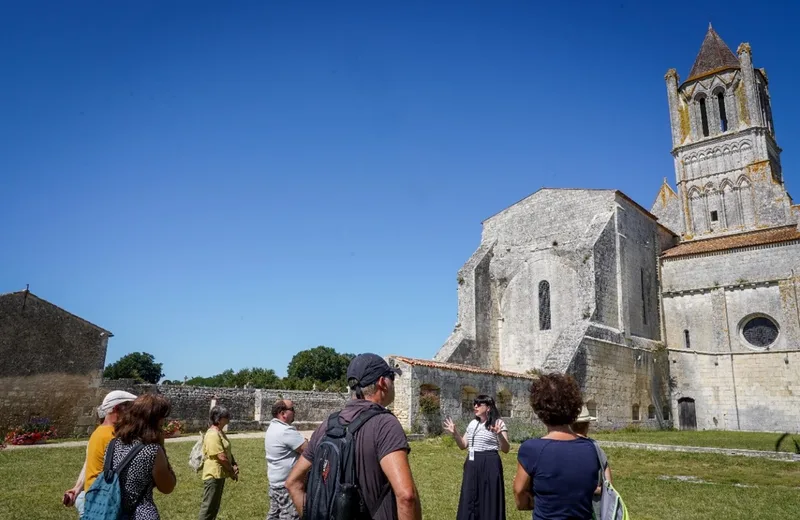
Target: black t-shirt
(377, 438)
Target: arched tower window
(544, 305)
(723, 116)
(704, 116)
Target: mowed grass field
(731, 487)
(762, 441)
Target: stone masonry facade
(51, 364)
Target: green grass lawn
(715, 438)
(734, 488)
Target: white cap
(113, 399)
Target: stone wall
(709, 298)
(457, 386)
(616, 378)
(250, 408)
(757, 391)
(51, 364)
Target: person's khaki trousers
(212, 496)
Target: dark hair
(493, 414)
(218, 413)
(141, 420)
(556, 399)
(278, 407)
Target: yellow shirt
(96, 453)
(214, 443)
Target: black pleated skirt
(483, 495)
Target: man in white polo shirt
(283, 444)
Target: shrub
(520, 430)
(429, 404)
(35, 431)
(174, 427)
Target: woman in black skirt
(483, 495)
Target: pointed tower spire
(714, 56)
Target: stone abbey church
(685, 315)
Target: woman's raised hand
(449, 426)
(498, 426)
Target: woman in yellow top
(219, 463)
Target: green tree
(136, 365)
(254, 377)
(320, 363)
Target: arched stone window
(759, 330)
(591, 407)
(665, 411)
(468, 395)
(651, 412)
(704, 116)
(504, 399)
(723, 116)
(635, 412)
(544, 305)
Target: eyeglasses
(290, 409)
(390, 375)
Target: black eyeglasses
(290, 409)
(390, 375)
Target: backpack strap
(599, 460)
(363, 417)
(128, 458)
(109, 458)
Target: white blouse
(481, 439)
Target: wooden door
(686, 414)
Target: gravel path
(188, 438)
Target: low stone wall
(251, 408)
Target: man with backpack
(356, 463)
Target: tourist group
(355, 465)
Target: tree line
(320, 368)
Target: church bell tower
(727, 161)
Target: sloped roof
(457, 367)
(713, 57)
(665, 193)
(753, 238)
(60, 309)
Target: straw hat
(584, 416)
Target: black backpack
(332, 491)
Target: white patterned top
(481, 439)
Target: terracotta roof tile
(753, 238)
(457, 367)
(714, 56)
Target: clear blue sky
(223, 187)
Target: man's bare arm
(296, 484)
(397, 469)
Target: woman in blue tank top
(557, 474)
